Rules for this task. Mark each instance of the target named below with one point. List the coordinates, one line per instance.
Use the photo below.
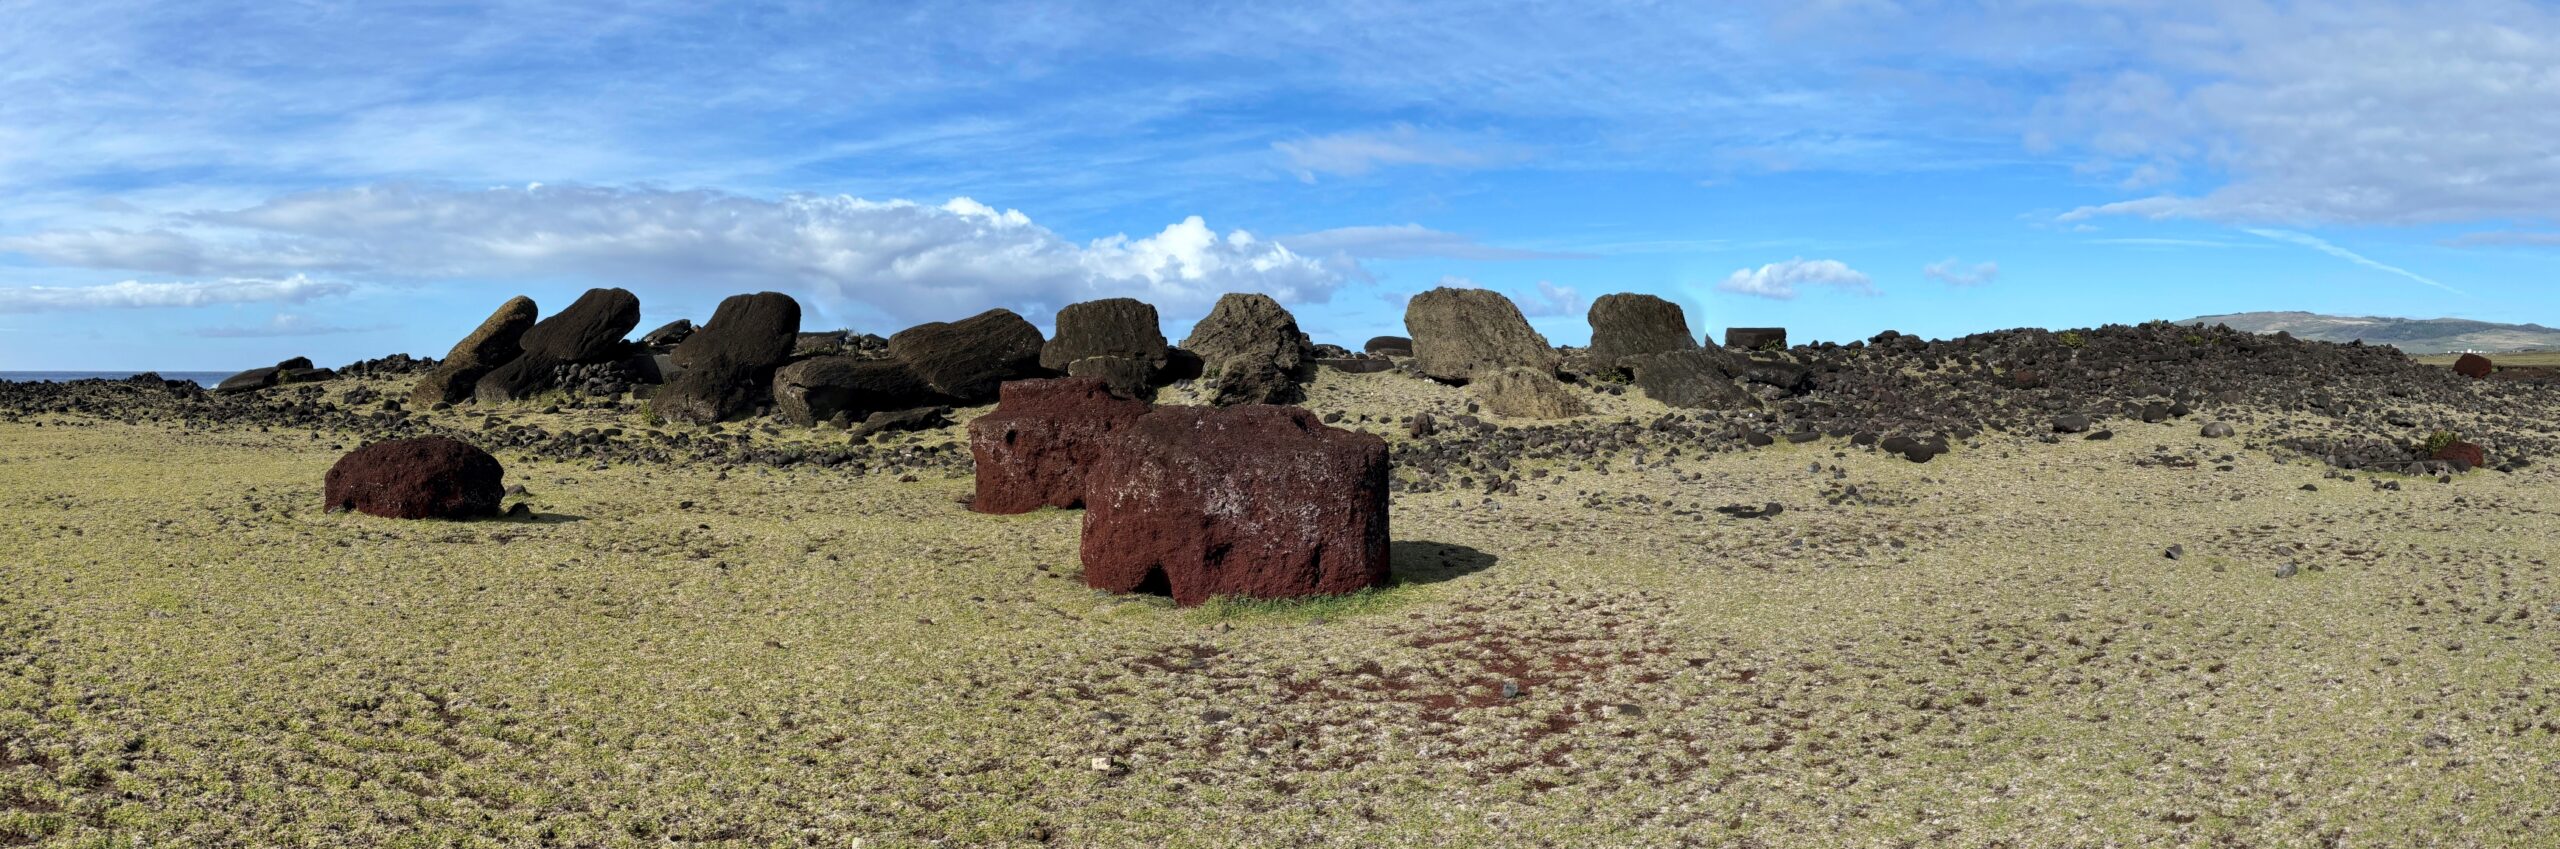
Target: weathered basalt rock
(1524, 394)
(668, 335)
(1458, 333)
(728, 365)
(1255, 501)
(1042, 440)
(1112, 327)
(296, 370)
(589, 331)
(967, 359)
(820, 389)
(1388, 346)
(1697, 379)
(2464, 455)
(498, 340)
(1755, 338)
(1625, 325)
(429, 477)
(1253, 348)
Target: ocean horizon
(202, 378)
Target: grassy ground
(2542, 359)
(1990, 650)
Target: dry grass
(192, 654)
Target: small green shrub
(2072, 339)
(2195, 339)
(1773, 346)
(2440, 440)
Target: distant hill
(2410, 335)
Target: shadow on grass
(553, 519)
(1424, 562)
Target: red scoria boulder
(430, 477)
(1041, 441)
(2473, 366)
(2467, 455)
(1253, 500)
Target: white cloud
(1551, 300)
(282, 324)
(1407, 241)
(1782, 280)
(2444, 113)
(2505, 237)
(1352, 154)
(911, 261)
(1954, 273)
(2322, 245)
(134, 294)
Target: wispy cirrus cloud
(135, 294)
(283, 325)
(1356, 153)
(1784, 280)
(1955, 273)
(1409, 241)
(2322, 245)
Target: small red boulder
(2473, 366)
(429, 477)
(1044, 436)
(2466, 455)
(1253, 500)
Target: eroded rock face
(967, 359)
(1458, 333)
(498, 340)
(1256, 501)
(1254, 349)
(820, 389)
(729, 363)
(1523, 394)
(1696, 379)
(1755, 338)
(2473, 366)
(1042, 440)
(589, 331)
(428, 477)
(1625, 325)
(1123, 329)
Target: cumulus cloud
(1783, 280)
(1352, 154)
(909, 260)
(1407, 241)
(2322, 245)
(282, 324)
(1954, 273)
(135, 294)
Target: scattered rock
(1361, 365)
(1256, 501)
(1458, 333)
(2071, 423)
(428, 477)
(1042, 440)
(2217, 430)
(920, 418)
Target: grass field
(1986, 650)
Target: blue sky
(219, 185)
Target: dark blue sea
(202, 378)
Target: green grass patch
(1333, 607)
